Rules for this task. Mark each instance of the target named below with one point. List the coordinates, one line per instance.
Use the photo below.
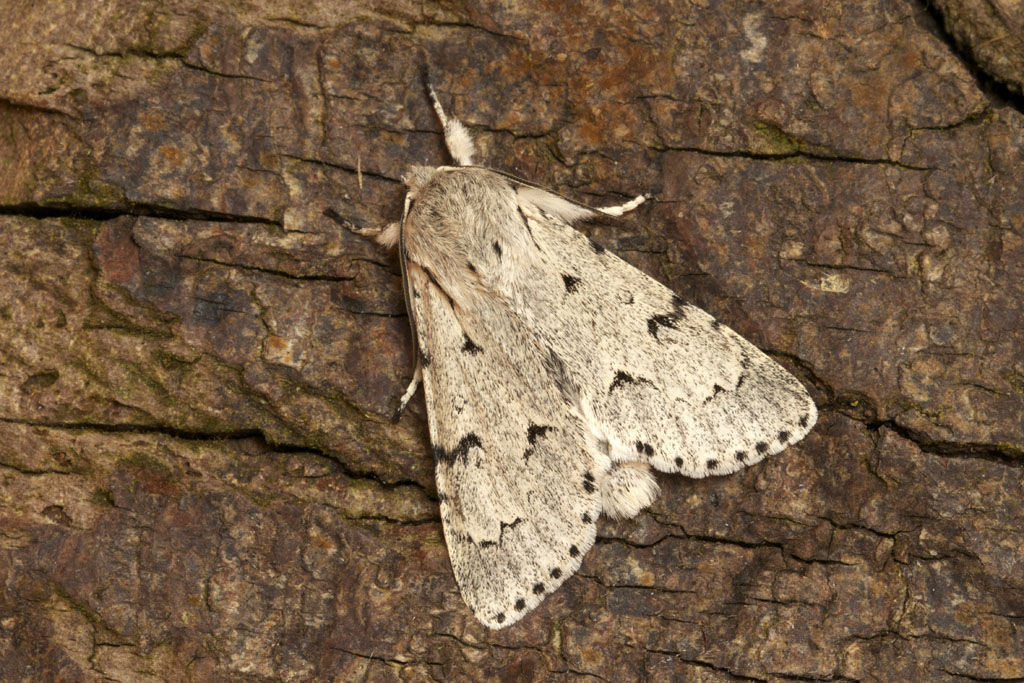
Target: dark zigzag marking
(623, 378)
(460, 452)
(469, 347)
(501, 532)
(669, 320)
(536, 431)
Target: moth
(557, 377)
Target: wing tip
(790, 433)
(787, 432)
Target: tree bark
(198, 475)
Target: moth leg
(417, 377)
(456, 137)
(623, 208)
(386, 235)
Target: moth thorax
(628, 488)
(417, 177)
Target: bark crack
(269, 271)
(227, 435)
(344, 167)
(172, 56)
(101, 213)
(799, 154)
(705, 665)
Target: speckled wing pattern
(661, 380)
(556, 375)
(515, 481)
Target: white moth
(557, 376)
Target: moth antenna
(341, 220)
(456, 137)
(437, 106)
(386, 235)
(623, 208)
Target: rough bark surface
(198, 478)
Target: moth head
(417, 177)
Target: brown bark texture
(198, 476)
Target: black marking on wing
(497, 250)
(556, 573)
(712, 464)
(471, 267)
(510, 525)
(499, 617)
(803, 421)
(469, 347)
(424, 358)
(501, 532)
(783, 436)
(741, 455)
(586, 518)
(572, 283)
(715, 324)
(520, 605)
(460, 452)
(662, 320)
(534, 432)
(761, 447)
(623, 378)
(644, 448)
(538, 588)
(679, 462)
(588, 483)
(574, 551)
(741, 380)
(717, 389)
(598, 249)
